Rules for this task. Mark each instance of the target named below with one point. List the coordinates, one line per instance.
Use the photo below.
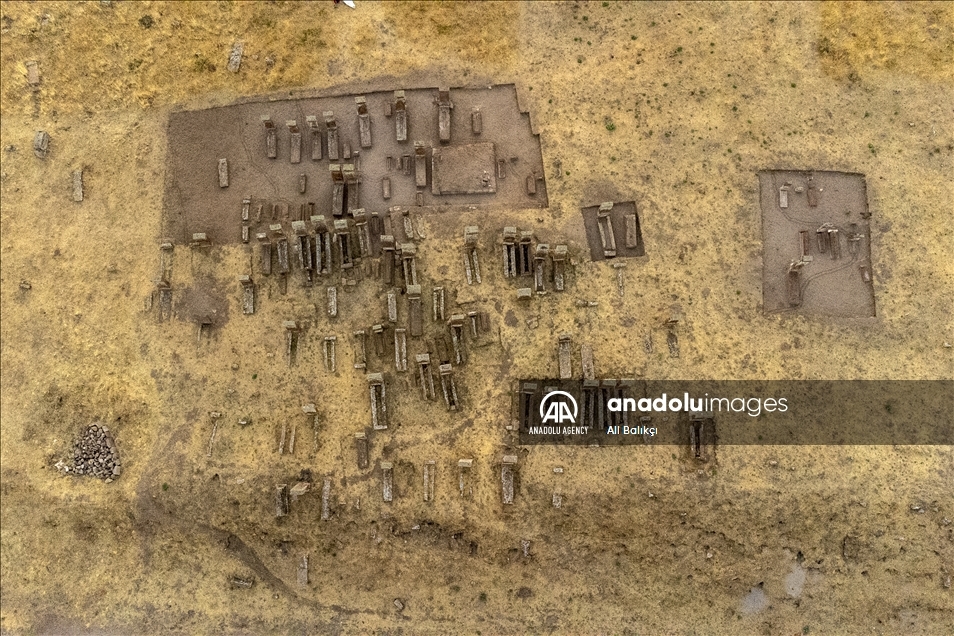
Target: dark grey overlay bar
(735, 412)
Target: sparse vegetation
(311, 37)
(262, 21)
(202, 63)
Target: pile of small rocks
(95, 454)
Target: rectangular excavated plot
(816, 243)
(197, 201)
(467, 169)
(627, 233)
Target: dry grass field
(674, 106)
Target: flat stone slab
(467, 169)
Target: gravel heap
(95, 454)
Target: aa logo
(558, 407)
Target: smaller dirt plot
(816, 243)
(618, 234)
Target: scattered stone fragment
(281, 500)
(241, 582)
(379, 416)
(464, 467)
(223, 173)
(33, 73)
(326, 499)
(41, 144)
(586, 354)
(673, 341)
(78, 186)
(235, 57)
(303, 571)
(563, 355)
(361, 448)
(507, 471)
(300, 489)
(387, 481)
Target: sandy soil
(674, 106)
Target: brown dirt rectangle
(835, 280)
(195, 201)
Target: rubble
(95, 454)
